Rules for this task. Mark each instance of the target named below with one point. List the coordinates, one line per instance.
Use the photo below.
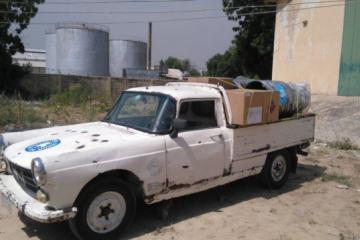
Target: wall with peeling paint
(308, 45)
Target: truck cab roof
(179, 90)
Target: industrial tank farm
(51, 52)
(86, 50)
(126, 54)
(82, 49)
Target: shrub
(343, 144)
(335, 177)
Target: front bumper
(12, 192)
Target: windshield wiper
(124, 125)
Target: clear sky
(197, 40)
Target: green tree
(184, 65)
(194, 73)
(224, 64)
(14, 18)
(251, 52)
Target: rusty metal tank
(50, 36)
(126, 54)
(82, 49)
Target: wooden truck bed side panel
(261, 139)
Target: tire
(105, 210)
(276, 170)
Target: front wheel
(105, 210)
(276, 170)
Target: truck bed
(257, 140)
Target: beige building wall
(308, 44)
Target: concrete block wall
(43, 85)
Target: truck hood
(82, 143)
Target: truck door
(198, 153)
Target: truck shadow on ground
(213, 200)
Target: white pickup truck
(157, 143)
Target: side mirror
(178, 125)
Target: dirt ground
(322, 201)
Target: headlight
(38, 171)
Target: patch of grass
(335, 177)
(343, 144)
(77, 105)
(91, 112)
(76, 96)
(357, 168)
(70, 107)
(18, 112)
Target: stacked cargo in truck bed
(248, 107)
(260, 102)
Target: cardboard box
(224, 82)
(250, 107)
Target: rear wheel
(105, 210)
(276, 170)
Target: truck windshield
(146, 112)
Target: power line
(121, 12)
(203, 18)
(174, 11)
(171, 1)
(104, 2)
(285, 4)
(159, 12)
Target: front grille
(25, 178)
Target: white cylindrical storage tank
(82, 49)
(50, 52)
(126, 54)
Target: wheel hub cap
(106, 212)
(278, 168)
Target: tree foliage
(14, 18)
(184, 65)
(251, 52)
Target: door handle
(217, 137)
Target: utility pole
(149, 47)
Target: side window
(199, 114)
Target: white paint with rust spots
(193, 161)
